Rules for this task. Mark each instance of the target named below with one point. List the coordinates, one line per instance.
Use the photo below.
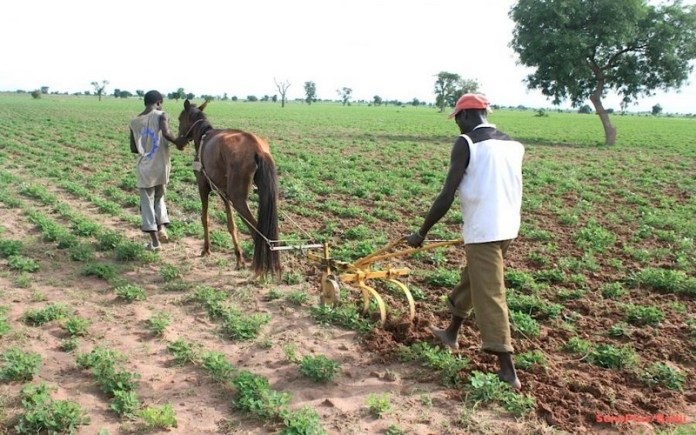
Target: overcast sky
(388, 48)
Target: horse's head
(189, 117)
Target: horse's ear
(187, 104)
(203, 105)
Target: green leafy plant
(254, 395)
(297, 297)
(19, 365)
(613, 290)
(158, 322)
(524, 324)
(243, 327)
(319, 368)
(443, 361)
(10, 248)
(104, 271)
(304, 421)
(170, 273)
(485, 387)
(69, 344)
(346, 316)
(156, 417)
(43, 414)
(608, 356)
(577, 346)
(217, 365)
(125, 403)
(664, 375)
(51, 312)
(183, 351)
(378, 404)
(130, 292)
(620, 329)
(4, 325)
(76, 326)
(529, 360)
(644, 315)
(22, 264)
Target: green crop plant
(640, 315)
(158, 322)
(183, 351)
(664, 375)
(130, 293)
(21, 263)
(378, 404)
(76, 326)
(319, 368)
(158, 417)
(51, 312)
(19, 365)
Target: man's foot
(163, 236)
(446, 338)
(511, 379)
(151, 247)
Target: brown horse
(228, 161)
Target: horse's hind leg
(232, 228)
(204, 192)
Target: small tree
(99, 88)
(310, 89)
(36, 94)
(345, 94)
(282, 90)
(377, 100)
(44, 89)
(585, 109)
(656, 109)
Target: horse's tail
(266, 260)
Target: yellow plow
(361, 271)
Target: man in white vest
(486, 169)
(149, 138)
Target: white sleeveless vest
(154, 164)
(491, 191)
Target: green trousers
(482, 287)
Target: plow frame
(360, 271)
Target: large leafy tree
(582, 49)
(449, 87)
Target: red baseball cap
(470, 101)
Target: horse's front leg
(232, 229)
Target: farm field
(601, 282)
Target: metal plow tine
(367, 291)
(409, 297)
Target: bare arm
(133, 146)
(459, 160)
(166, 132)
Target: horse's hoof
(205, 252)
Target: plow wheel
(366, 293)
(330, 293)
(411, 303)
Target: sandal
(150, 247)
(163, 236)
